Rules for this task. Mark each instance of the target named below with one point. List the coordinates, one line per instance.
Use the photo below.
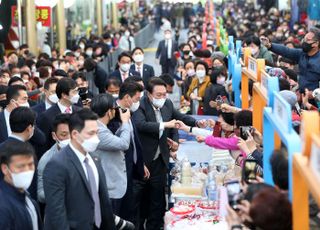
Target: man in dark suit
(100, 76)
(74, 183)
(129, 97)
(17, 97)
(166, 52)
(17, 209)
(146, 71)
(123, 71)
(51, 98)
(67, 92)
(156, 120)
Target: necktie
(68, 110)
(139, 70)
(94, 193)
(129, 44)
(159, 119)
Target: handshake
(182, 126)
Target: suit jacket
(117, 74)
(111, 152)
(148, 72)
(163, 55)
(69, 204)
(134, 170)
(39, 108)
(45, 122)
(148, 129)
(100, 78)
(37, 139)
(13, 211)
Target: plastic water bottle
(211, 189)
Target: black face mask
(307, 47)
(186, 52)
(3, 103)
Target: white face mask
(22, 180)
(77, 54)
(33, 69)
(81, 62)
(82, 46)
(138, 58)
(115, 96)
(158, 102)
(127, 34)
(42, 80)
(53, 98)
(191, 72)
(221, 80)
(91, 144)
(254, 51)
(26, 104)
(89, 53)
(142, 94)
(167, 36)
(125, 67)
(63, 143)
(74, 99)
(201, 75)
(31, 135)
(135, 106)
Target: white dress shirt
(6, 117)
(169, 48)
(122, 75)
(47, 105)
(33, 213)
(63, 108)
(81, 158)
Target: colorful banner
(42, 15)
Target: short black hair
(60, 73)
(291, 74)
(62, 118)
(124, 54)
(50, 81)
(255, 40)
(102, 103)
(227, 117)
(78, 75)
(134, 78)
(130, 88)
(279, 168)
(243, 118)
(64, 86)
(13, 92)
(15, 79)
(89, 64)
(155, 81)
(15, 147)
(77, 119)
(137, 48)
(284, 84)
(113, 81)
(167, 79)
(20, 118)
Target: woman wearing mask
(215, 93)
(126, 42)
(198, 87)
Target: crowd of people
(80, 152)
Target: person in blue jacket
(308, 58)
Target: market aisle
(150, 52)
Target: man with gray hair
(308, 58)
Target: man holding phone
(308, 58)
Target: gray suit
(111, 152)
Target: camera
(244, 131)
(249, 171)
(234, 194)
(221, 99)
